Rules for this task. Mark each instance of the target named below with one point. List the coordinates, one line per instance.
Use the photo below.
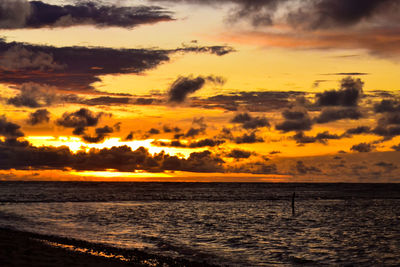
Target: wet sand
(27, 249)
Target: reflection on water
(84, 250)
(234, 224)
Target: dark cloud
(80, 120)
(348, 73)
(371, 25)
(387, 105)
(309, 15)
(33, 95)
(107, 100)
(396, 147)
(74, 68)
(258, 167)
(9, 130)
(39, 116)
(296, 119)
(21, 155)
(239, 154)
(36, 14)
(193, 132)
(348, 95)
(301, 138)
(301, 168)
(168, 129)
(101, 134)
(388, 125)
(198, 127)
(183, 86)
(334, 114)
(144, 101)
(204, 161)
(173, 143)
(388, 167)
(316, 83)
(218, 50)
(129, 137)
(249, 122)
(251, 101)
(208, 142)
(273, 152)
(248, 138)
(18, 58)
(359, 130)
(363, 147)
(154, 131)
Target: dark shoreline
(18, 248)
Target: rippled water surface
(222, 223)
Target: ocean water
(233, 224)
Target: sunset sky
(200, 90)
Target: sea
(228, 224)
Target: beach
(19, 248)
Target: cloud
(17, 14)
(296, 119)
(20, 58)
(107, 100)
(348, 73)
(301, 168)
(258, 167)
(129, 137)
(248, 138)
(372, 25)
(249, 122)
(363, 147)
(76, 68)
(34, 95)
(183, 86)
(388, 125)
(79, 120)
(39, 116)
(198, 127)
(359, 130)
(204, 161)
(101, 134)
(334, 114)
(169, 129)
(22, 155)
(388, 167)
(257, 101)
(239, 154)
(348, 94)
(301, 138)
(154, 131)
(14, 13)
(207, 142)
(310, 15)
(218, 50)
(380, 41)
(9, 130)
(396, 147)
(387, 105)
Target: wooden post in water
(294, 195)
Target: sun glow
(76, 144)
(111, 173)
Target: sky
(200, 90)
